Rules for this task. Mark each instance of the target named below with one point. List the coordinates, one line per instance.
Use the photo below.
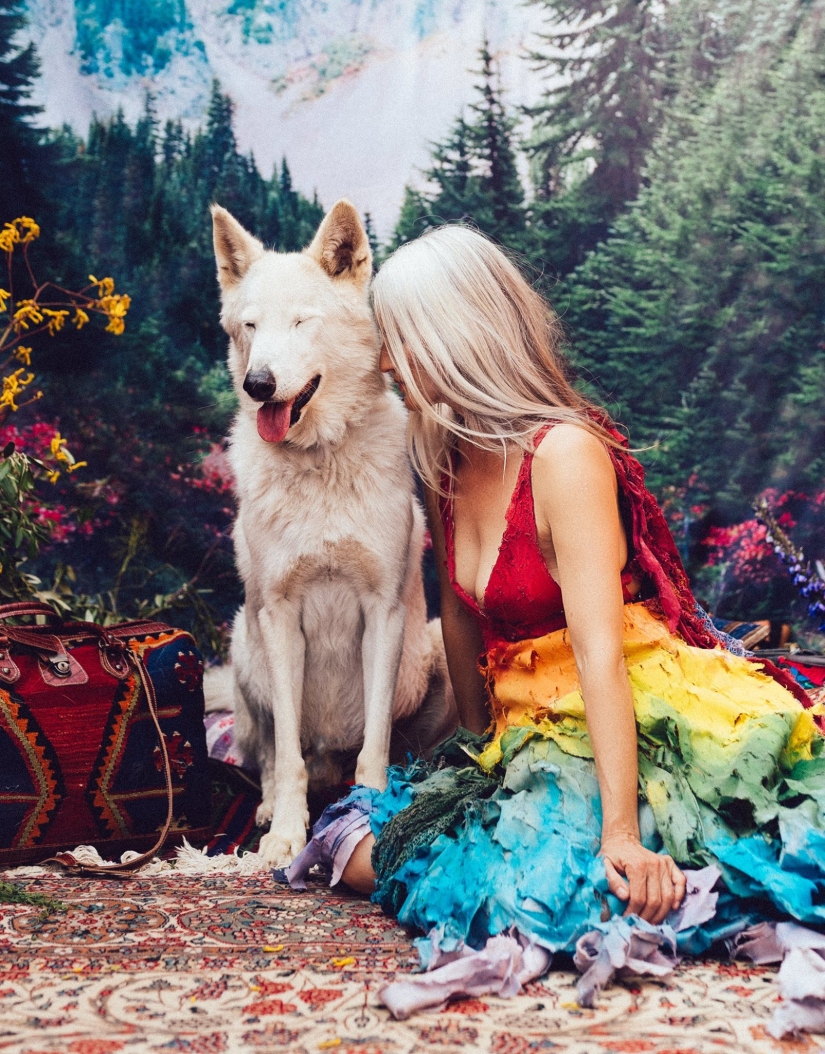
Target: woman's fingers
(615, 883)
(652, 885)
(639, 892)
(667, 894)
(679, 884)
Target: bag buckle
(9, 671)
(113, 657)
(61, 668)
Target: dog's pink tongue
(273, 421)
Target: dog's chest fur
(325, 532)
(323, 515)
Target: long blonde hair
(456, 306)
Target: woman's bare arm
(462, 638)
(574, 489)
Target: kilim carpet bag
(102, 739)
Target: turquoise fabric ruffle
(526, 855)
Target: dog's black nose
(259, 385)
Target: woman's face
(427, 388)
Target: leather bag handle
(21, 608)
(127, 870)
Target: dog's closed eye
(249, 325)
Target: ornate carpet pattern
(235, 963)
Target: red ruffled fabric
(656, 559)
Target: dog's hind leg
(382, 643)
(285, 647)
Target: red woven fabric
(80, 764)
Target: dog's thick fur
(332, 643)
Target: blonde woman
(610, 741)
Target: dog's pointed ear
(341, 245)
(235, 248)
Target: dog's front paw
(279, 848)
(263, 817)
(371, 775)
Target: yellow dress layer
(717, 699)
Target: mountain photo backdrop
(657, 167)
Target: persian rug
(233, 962)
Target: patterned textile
(80, 763)
(236, 795)
(227, 963)
(235, 800)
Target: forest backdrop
(667, 193)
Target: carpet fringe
(192, 861)
(189, 862)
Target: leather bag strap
(127, 870)
(26, 607)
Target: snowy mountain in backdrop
(352, 92)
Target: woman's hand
(652, 884)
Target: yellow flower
(57, 446)
(31, 229)
(80, 317)
(23, 355)
(9, 237)
(115, 308)
(56, 319)
(4, 298)
(27, 311)
(13, 385)
(105, 286)
(52, 475)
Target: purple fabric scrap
(624, 945)
(699, 904)
(330, 847)
(629, 945)
(502, 967)
(220, 739)
(801, 977)
(802, 984)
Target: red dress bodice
(522, 599)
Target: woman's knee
(358, 874)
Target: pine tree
(499, 182)
(24, 156)
(473, 174)
(219, 145)
(702, 314)
(459, 195)
(369, 230)
(412, 220)
(288, 209)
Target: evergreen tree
(702, 315)
(593, 128)
(412, 220)
(500, 184)
(288, 209)
(369, 230)
(24, 155)
(453, 171)
(473, 176)
(616, 70)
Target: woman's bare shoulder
(569, 451)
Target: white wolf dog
(332, 644)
